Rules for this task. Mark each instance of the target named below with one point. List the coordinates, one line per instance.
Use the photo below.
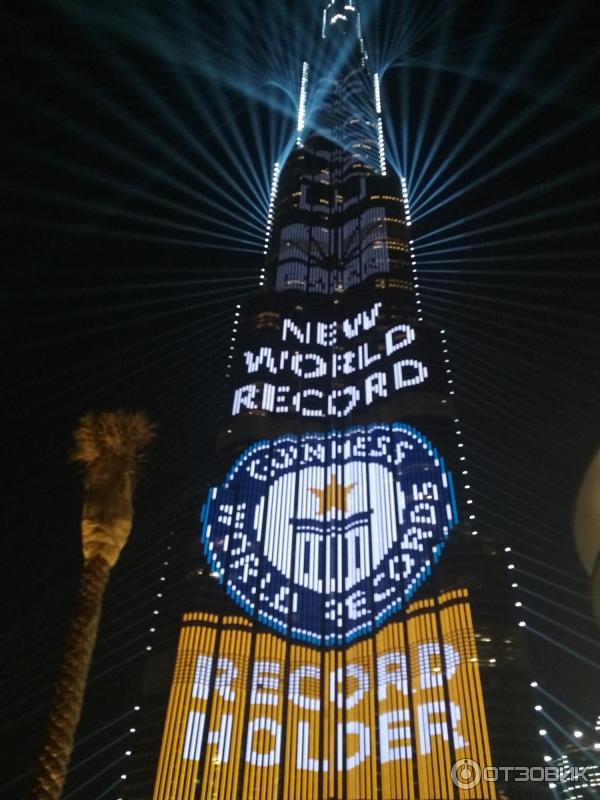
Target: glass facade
(349, 633)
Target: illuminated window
(267, 319)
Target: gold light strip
(408, 677)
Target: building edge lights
(380, 139)
(272, 198)
(302, 103)
(381, 145)
(405, 200)
(137, 707)
(377, 93)
(413, 266)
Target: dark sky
(118, 292)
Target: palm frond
(120, 435)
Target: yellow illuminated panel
(265, 719)
(304, 766)
(465, 689)
(385, 717)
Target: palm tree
(109, 445)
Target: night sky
(137, 144)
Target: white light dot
(543, 732)
(577, 734)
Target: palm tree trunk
(68, 700)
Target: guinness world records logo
(324, 536)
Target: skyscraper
(578, 771)
(351, 635)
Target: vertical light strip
(175, 772)
(192, 708)
(340, 727)
(464, 609)
(302, 103)
(380, 140)
(329, 733)
(244, 740)
(405, 199)
(413, 262)
(413, 266)
(289, 771)
(381, 145)
(462, 458)
(272, 198)
(361, 43)
(377, 93)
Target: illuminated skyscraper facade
(358, 640)
(578, 772)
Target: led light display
(272, 198)
(304, 249)
(333, 680)
(302, 102)
(324, 536)
(252, 715)
(325, 369)
(377, 93)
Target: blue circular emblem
(323, 536)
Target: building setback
(349, 632)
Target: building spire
(341, 14)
